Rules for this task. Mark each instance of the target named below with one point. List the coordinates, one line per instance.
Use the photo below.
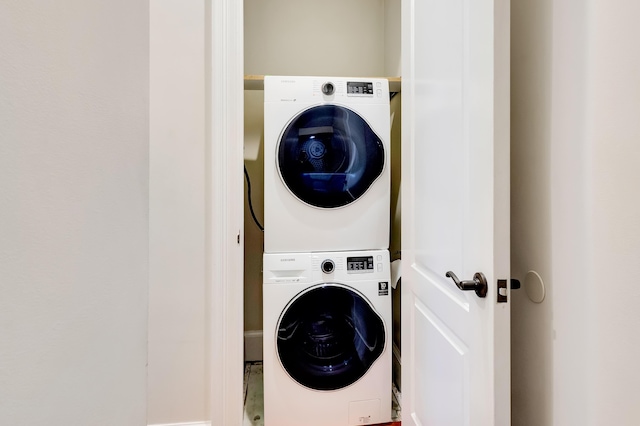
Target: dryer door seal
(329, 336)
(328, 156)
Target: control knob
(328, 88)
(327, 266)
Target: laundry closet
(331, 38)
(454, 175)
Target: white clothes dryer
(326, 164)
(327, 338)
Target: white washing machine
(327, 338)
(326, 164)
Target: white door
(455, 193)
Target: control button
(379, 267)
(379, 92)
(328, 88)
(327, 266)
(379, 257)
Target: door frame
(224, 234)
(502, 139)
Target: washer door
(329, 337)
(328, 156)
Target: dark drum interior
(329, 156)
(329, 337)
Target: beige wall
(74, 150)
(332, 37)
(531, 324)
(575, 211)
(178, 377)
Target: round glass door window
(329, 156)
(329, 337)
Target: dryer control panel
(359, 88)
(309, 89)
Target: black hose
(253, 214)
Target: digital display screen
(360, 263)
(359, 88)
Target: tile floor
(254, 397)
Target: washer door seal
(329, 336)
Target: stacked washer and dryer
(327, 301)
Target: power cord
(253, 214)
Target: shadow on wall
(253, 236)
(395, 243)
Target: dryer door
(329, 336)
(328, 156)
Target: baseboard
(184, 424)
(253, 345)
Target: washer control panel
(286, 268)
(360, 264)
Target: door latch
(502, 289)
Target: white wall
(613, 129)
(74, 212)
(178, 373)
(576, 213)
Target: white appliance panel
(368, 399)
(294, 223)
